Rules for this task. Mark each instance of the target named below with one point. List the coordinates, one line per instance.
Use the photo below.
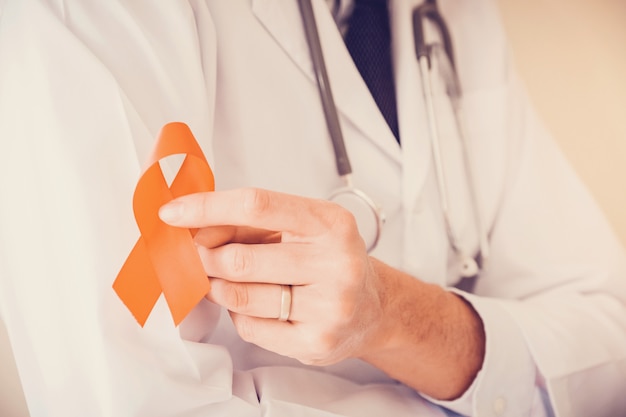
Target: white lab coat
(86, 85)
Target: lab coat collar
(352, 97)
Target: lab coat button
(499, 405)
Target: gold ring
(285, 302)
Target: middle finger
(276, 263)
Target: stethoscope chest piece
(368, 215)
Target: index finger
(250, 207)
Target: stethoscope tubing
(344, 168)
(424, 52)
(426, 12)
(328, 103)
(433, 131)
(469, 172)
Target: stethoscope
(348, 194)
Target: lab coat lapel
(352, 98)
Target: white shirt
(86, 87)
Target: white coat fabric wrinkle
(84, 88)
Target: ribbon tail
(181, 302)
(137, 283)
(179, 270)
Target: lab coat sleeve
(566, 269)
(72, 138)
(553, 295)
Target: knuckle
(256, 201)
(343, 222)
(204, 205)
(328, 343)
(342, 313)
(346, 218)
(239, 260)
(346, 316)
(353, 277)
(324, 348)
(313, 361)
(236, 296)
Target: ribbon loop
(164, 259)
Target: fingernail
(171, 212)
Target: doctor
(315, 325)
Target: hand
(276, 239)
(344, 303)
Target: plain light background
(572, 56)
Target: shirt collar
(341, 11)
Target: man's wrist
(430, 339)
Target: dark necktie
(369, 41)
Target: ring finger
(253, 299)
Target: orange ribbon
(164, 259)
